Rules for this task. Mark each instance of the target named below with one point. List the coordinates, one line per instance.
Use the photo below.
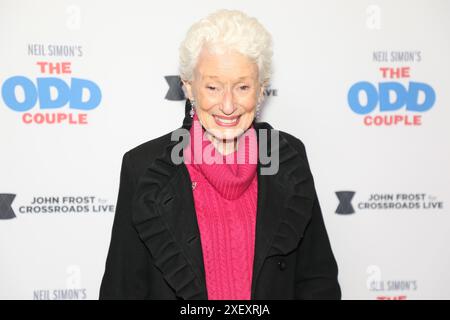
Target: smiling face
(226, 91)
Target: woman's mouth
(227, 121)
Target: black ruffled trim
(166, 252)
(295, 179)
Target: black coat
(155, 250)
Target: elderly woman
(230, 212)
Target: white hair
(228, 29)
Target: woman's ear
(187, 88)
(261, 92)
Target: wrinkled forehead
(225, 66)
(206, 77)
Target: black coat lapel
(284, 201)
(165, 219)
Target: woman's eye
(211, 88)
(245, 87)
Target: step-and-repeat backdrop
(364, 84)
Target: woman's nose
(227, 103)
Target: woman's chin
(228, 134)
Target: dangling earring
(192, 112)
(258, 111)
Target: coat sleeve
(317, 270)
(127, 263)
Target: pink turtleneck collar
(231, 174)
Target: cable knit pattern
(225, 197)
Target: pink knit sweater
(225, 198)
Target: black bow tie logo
(345, 199)
(175, 92)
(6, 212)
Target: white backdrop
(391, 231)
